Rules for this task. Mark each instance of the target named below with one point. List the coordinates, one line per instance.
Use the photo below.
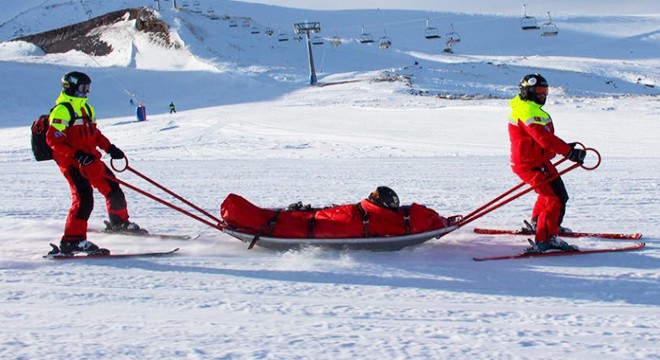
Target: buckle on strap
(365, 219)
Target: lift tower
(306, 28)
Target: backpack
(40, 147)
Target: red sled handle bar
(502, 199)
(218, 223)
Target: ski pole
(178, 197)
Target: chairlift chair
(431, 32)
(255, 30)
(452, 36)
(283, 37)
(366, 38)
(268, 32)
(317, 40)
(384, 42)
(549, 29)
(336, 41)
(528, 22)
(211, 14)
(233, 23)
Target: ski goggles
(540, 90)
(83, 88)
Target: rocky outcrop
(82, 37)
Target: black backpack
(40, 148)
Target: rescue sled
(382, 243)
(367, 225)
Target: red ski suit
(533, 145)
(66, 136)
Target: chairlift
(452, 36)
(448, 47)
(384, 42)
(233, 23)
(211, 14)
(197, 9)
(528, 22)
(336, 41)
(431, 32)
(282, 37)
(549, 29)
(366, 38)
(268, 32)
(255, 30)
(317, 40)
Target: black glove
(83, 158)
(576, 155)
(114, 152)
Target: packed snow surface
(431, 125)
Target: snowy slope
(248, 123)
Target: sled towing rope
(218, 225)
(511, 194)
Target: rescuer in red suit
(74, 138)
(533, 145)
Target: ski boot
(529, 228)
(564, 230)
(554, 243)
(69, 248)
(126, 227)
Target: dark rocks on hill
(82, 37)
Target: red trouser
(82, 198)
(551, 201)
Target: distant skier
(533, 145)
(172, 108)
(74, 138)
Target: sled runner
(381, 243)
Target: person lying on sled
(380, 214)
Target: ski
(575, 234)
(149, 235)
(563, 253)
(110, 256)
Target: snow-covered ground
(248, 123)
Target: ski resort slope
(247, 122)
